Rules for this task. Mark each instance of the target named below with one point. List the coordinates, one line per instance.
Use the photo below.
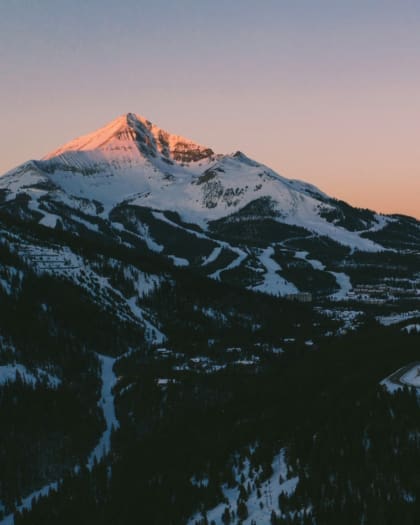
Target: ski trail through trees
(107, 405)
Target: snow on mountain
(132, 132)
(133, 161)
(12, 372)
(262, 502)
(107, 405)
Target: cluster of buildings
(383, 293)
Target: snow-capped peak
(130, 130)
(131, 160)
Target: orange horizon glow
(326, 92)
(377, 181)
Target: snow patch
(273, 283)
(107, 405)
(343, 281)
(28, 501)
(270, 491)
(9, 373)
(395, 318)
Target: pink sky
(325, 91)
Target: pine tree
(242, 510)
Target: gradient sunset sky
(327, 91)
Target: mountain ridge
(131, 159)
(229, 217)
(131, 127)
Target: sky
(327, 91)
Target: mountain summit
(135, 134)
(132, 161)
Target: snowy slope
(260, 503)
(11, 372)
(133, 161)
(107, 406)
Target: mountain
(131, 161)
(226, 216)
(181, 332)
